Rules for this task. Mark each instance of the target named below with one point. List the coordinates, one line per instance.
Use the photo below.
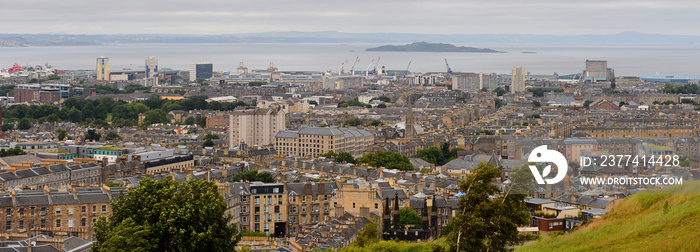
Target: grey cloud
(441, 17)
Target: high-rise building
(255, 126)
(517, 83)
(201, 70)
(472, 82)
(102, 68)
(151, 67)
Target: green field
(638, 223)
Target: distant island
(430, 47)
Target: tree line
(101, 112)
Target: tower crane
(449, 71)
(357, 59)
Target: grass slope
(638, 223)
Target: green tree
(313, 103)
(54, 77)
(432, 155)
(368, 235)
(461, 99)
(499, 91)
(382, 105)
(329, 155)
(92, 135)
(387, 159)
(685, 163)
(189, 120)
(112, 136)
(376, 123)
(498, 103)
(8, 126)
(484, 223)
(62, 134)
(24, 124)
(211, 136)
(381, 98)
(352, 122)
(409, 216)
(208, 143)
(344, 157)
(167, 216)
(587, 103)
(88, 111)
(75, 115)
(254, 175)
(536, 104)
(101, 111)
(155, 116)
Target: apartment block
(314, 141)
(255, 126)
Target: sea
(626, 60)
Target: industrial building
(597, 70)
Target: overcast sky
(367, 16)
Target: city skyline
(443, 17)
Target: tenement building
(314, 141)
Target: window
(58, 211)
(70, 222)
(58, 223)
(84, 209)
(244, 209)
(9, 212)
(267, 209)
(277, 209)
(43, 223)
(244, 219)
(257, 200)
(83, 222)
(104, 208)
(8, 225)
(21, 211)
(257, 218)
(279, 200)
(353, 205)
(376, 206)
(21, 224)
(303, 209)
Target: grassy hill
(638, 223)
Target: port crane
(341, 69)
(449, 71)
(357, 59)
(377, 65)
(368, 66)
(272, 67)
(242, 69)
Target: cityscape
(363, 155)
